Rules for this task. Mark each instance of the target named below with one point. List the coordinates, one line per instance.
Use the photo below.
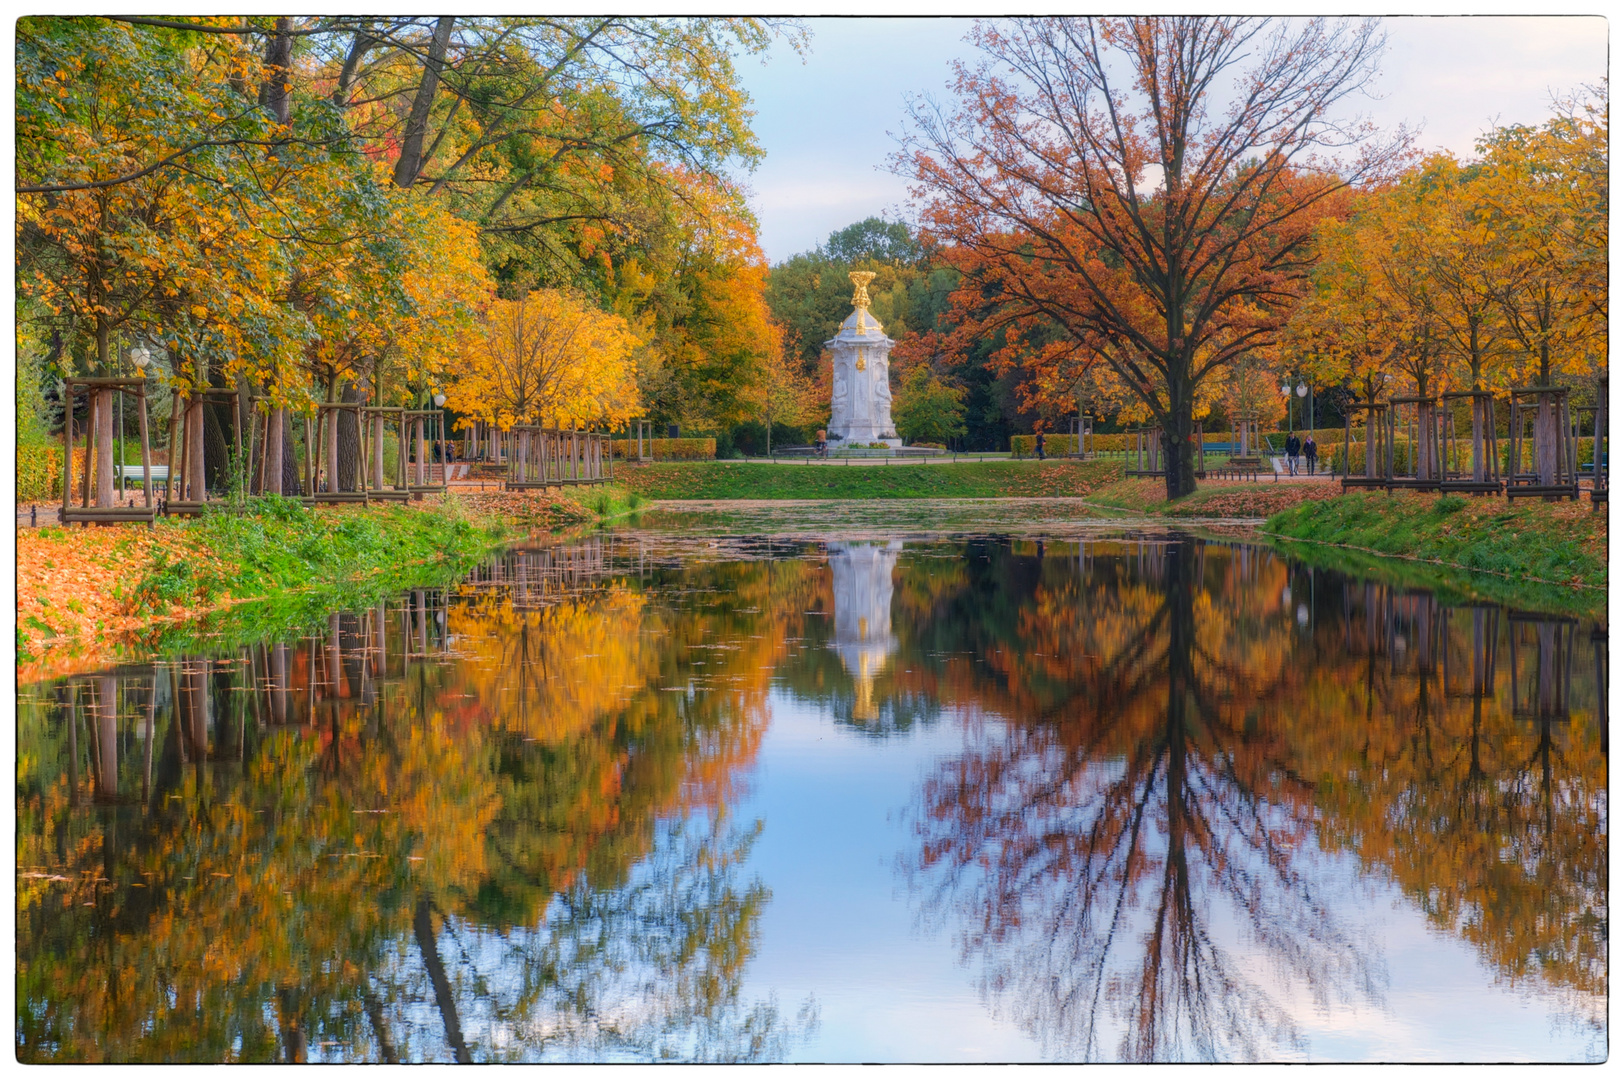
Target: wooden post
(90, 446)
(310, 458)
(146, 452)
(421, 471)
(67, 449)
(182, 476)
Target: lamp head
(1302, 390)
(140, 357)
(439, 400)
(1285, 390)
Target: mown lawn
(899, 480)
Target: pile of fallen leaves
(1249, 500)
(536, 507)
(73, 586)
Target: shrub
(39, 472)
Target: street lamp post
(139, 357)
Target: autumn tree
(1115, 184)
(549, 357)
(929, 409)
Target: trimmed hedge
(39, 471)
(666, 449)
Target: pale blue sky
(827, 124)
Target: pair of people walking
(1307, 448)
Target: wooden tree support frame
(182, 498)
(382, 423)
(1148, 455)
(1597, 415)
(1082, 431)
(99, 395)
(1553, 458)
(1378, 463)
(643, 433)
(321, 447)
(426, 433)
(1541, 689)
(1482, 474)
(1423, 468)
(541, 457)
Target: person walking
(1040, 445)
(1294, 446)
(1311, 453)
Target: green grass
(607, 501)
(1529, 553)
(898, 480)
(279, 546)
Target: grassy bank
(1550, 556)
(84, 592)
(87, 596)
(910, 480)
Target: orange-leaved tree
(1149, 185)
(550, 356)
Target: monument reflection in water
(514, 820)
(861, 580)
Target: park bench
(1244, 468)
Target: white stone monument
(862, 587)
(861, 399)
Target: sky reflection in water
(971, 799)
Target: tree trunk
(360, 45)
(1545, 440)
(106, 738)
(1178, 456)
(196, 484)
(279, 683)
(348, 446)
(423, 925)
(1426, 423)
(274, 94)
(410, 162)
(292, 484)
(217, 449)
(271, 482)
(104, 447)
(194, 687)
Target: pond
(663, 795)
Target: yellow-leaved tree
(549, 357)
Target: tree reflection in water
(1084, 852)
(501, 822)
(1136, 855)
(454, 827)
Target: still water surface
(931, 799)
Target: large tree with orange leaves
(1148, 185)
